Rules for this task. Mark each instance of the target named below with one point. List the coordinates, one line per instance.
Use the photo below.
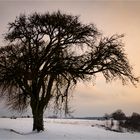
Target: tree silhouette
(118, 115)
(133, 122)
(47, 54)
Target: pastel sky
(110, 17)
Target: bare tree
(41, 63)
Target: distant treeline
(131, 123)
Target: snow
(60, 129)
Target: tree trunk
(37, 107)
(37, 111)
(38, 123)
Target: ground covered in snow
(60, 129)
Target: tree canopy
(47, 54)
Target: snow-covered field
(57, 129)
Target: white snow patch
(60, 129)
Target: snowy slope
(56, 129)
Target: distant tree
(47, 54)
(132, 122)
(135, 117)
(118, 115)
